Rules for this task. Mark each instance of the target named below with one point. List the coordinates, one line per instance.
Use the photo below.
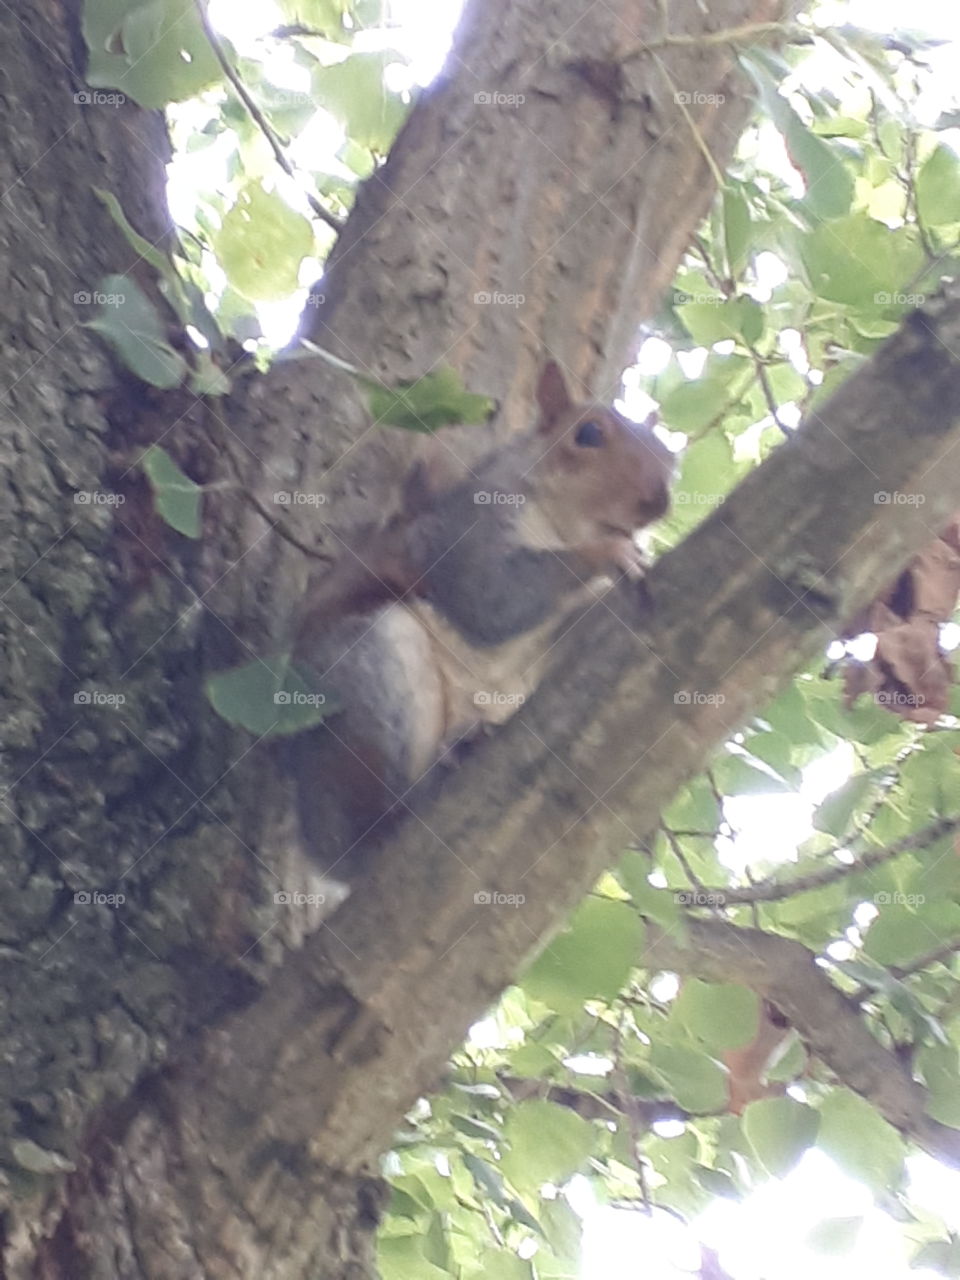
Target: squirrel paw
(623, 553)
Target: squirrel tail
(359, 771)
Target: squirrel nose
(654, 503)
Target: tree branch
(540, 810)
(771, 889)
(828, 1022)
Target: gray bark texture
(198, 1081)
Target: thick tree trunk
(193, 1084)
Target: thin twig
(771, 890)
(260, 119)
(279, 526)
(765, 386)
(937, 956)
(691, 124)
(681, 857)
(728, 35)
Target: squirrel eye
(589, 435)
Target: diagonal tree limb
(340, 1046)
(829, 1023)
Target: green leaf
(901, 933)
(268, 698)
(208, 379)
(547, 1143)
(738, 774)
(775, 750)
(829, 184)
(673, 1158)
(787, 385)
(704, 319)
(354, 93)
(161, 263)
(716, 1182)
(488, 1180)
(438, 399)
(318, 15)
(835, 1235)
(175, 496)
(858, 261)
(939, 1066)
(834, 815)
(475, 1128)
(659, 904)
(694, 1080)
(155, 52)
(261, 245)
(860, 1141)
(938, 188)
(709, 321)
(942, 1256)
(707, 473)
(790, 716)
(402, 1258)
(520, 1213)
(369, 13)
(749, 320)
(694, 808)
(591, 958)
(132, 326)
(736, 229)
(720, 1014)
(506, 1265)
(564, 1230)
(930, 780)
(779, 1131)
(692, 405)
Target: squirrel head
(596, 465)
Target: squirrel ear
(552, 394)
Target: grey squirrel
(439, 621)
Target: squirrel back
(440, 621)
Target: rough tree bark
(198, 1082)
